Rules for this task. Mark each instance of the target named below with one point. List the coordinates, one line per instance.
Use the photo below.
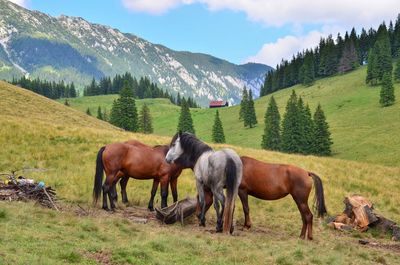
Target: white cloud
(284, 48)
(292, 12)
(23, 3)
(154, 7)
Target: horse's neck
(201, 165)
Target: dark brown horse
(274, 181)
(137, 161)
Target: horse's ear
(180, 133)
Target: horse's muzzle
(168, 160)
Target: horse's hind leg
(153, 194)
(246, 209)
(307, 219)
(123, 183)
(219, 198)
(108, 190)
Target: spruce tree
(322, 140)
(185, 119)
(123, 112)
(372, 69)
(243, 104)
(218, 135)
(88, 112)
(99, 114)
(397, 71)
(307, 71)
(250, 118)
(145, 121)
(291, 136)
(306, 128)
(349, 59)
(387, 97)
(272, 131)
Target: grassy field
(361, 129)
(58, 145)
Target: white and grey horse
(214, 170)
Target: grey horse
(214, 170)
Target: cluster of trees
(45, 88)
(124, 113)
(299, 132)
(185, 124)
(247, 113)
(380, 66)
(337, 56)
(142, 88)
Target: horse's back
(272, 181)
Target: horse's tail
(231, 193)
(98, 177)
(319, 195)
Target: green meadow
(361, 129)
(58, 144)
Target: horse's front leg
(153, 194)
(200, 191)
(164, 191)
(174, 189)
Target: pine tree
(291, 131)
(272, 131)
(397, 71)
(387, 97)
(145, 121)
(243, 104)
(250, 118)
(88, 112)
(307, 128)
(185, 119)
(349, 59)
(322, 140)
(372, 69)
(307, 71)
(123, 112)
(99, 114)
(218, 135)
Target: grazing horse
(135, 161)
(174, 173)
(274, 181)
(214, 170)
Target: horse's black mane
(192, 147)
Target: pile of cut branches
(18, 190)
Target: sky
(240, 31)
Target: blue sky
(236, 30)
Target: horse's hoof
(218, 229)
(151, 209)
(202, 224)
(106, 209)
(246, 227)
(125, 202)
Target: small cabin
(218, 104)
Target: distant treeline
(45, 88)
(143, 88)
(331, 57)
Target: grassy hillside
(361, 129)
(37, 133)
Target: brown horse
(175, 172)
(275, 181)
(137, 161)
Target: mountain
(71, 48)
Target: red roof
(217, 103)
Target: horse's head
(175, 149)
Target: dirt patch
(101, 257)
(389, 247)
